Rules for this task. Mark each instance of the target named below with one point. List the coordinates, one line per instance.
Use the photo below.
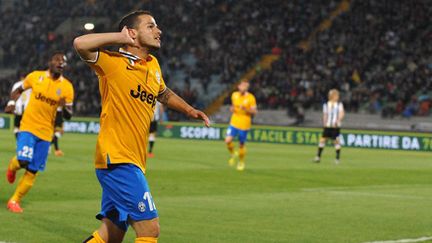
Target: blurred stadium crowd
(378, 53)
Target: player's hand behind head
(126, 37)
(197, 114)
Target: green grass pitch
(280, 197)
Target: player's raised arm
(173, 101)
(87, 45)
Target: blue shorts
(33, 150)
(233, 132)
(125, 195)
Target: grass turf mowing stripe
(421, 239)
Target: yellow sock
(94, 238)
(146, 240)
(230, 147)
(14, 164)
(242, 153)
(24, 186)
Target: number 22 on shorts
(27, 152)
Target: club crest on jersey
(158, 77)
(41, 78)
(58, 92)
(141, 206)
(131, 62)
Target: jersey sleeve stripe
(90, 61)
(163, 91)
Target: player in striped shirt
(159, 110)
(333, 114)
(58, 132)
(21, 104)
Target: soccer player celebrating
(333, 114)
(243, 107)
(20, 105)
(49, 91)
(153, 127)
(131, 83)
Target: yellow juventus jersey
(129, 87)
(240, 119)
(40, 113)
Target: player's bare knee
(110, 232)
(147, 228)
(155, 229)
(228, 139)
(321, 143)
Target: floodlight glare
(89, 26)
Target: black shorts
(17, 120)
(331, 132)
(153, 126)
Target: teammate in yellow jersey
(20, 105)
(157, 118)
(243, 107)
(50, 90)
(130, 83)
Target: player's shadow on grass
(66, 232)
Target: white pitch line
(421, 239)
(370, 194)
(377, 195)
(398, 186)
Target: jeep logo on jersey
(143, 96)
(45, 99)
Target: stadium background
(377, 53)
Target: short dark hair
(55, 52)
(130, 20)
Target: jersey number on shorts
(27, 152)
(228, 131)
(147, 197)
